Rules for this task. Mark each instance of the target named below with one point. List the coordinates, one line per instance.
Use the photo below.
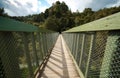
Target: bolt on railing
(95, 47)
(23, 48)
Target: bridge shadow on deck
(59, 64)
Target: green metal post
(49, 42)
(34, 49)
(41, 53)
(90, 51)
(77, 46)
(46, 35)
(44, 43)
(82, 49)
(71, 40)
(27, 52)
(73, 44)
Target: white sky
(26, 7)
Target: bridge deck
(60, 64)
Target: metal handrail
(23, 48)
(95, 47)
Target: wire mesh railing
(96, 53)
(22, 53)
(23, 48)
(95, 47)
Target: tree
(63, 23)
(52, 23)
(46, 13)
(2, 12)
(59, 17)
(88, 11)
(79, 21)
(64, 8)
(39, 17)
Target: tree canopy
(59, 17)
(2, 12)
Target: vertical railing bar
(34, 49)
(73, 43)
(42, 44)
(82, 48)
(77, 46)
(51, 41)
(27, 54)
(46, 49)
(67, 41)
(74, 48)
(48, 41)
(41, 53)
(90, 51)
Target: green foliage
(2, 12)
(78, 21)
(24, 72)
(63, 23)
(59, 17)
(52, 23)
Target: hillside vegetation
(59, 17)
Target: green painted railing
(95, 47)
(24, 49)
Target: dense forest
(59, 17)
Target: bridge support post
(40, 48)
(34, 49)
(90, 51)
(77, 46)
(82, 49)
(26, 49)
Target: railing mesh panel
(2, 72)
(21, 53)
(111, 63)
(8, 55)
(97, 54)
(78, 54)
(85, 53)
(115, 60)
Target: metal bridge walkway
(60, 64)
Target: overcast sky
(26, 7)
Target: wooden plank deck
(60, 64)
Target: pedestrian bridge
(60, 63)
(87, 51)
